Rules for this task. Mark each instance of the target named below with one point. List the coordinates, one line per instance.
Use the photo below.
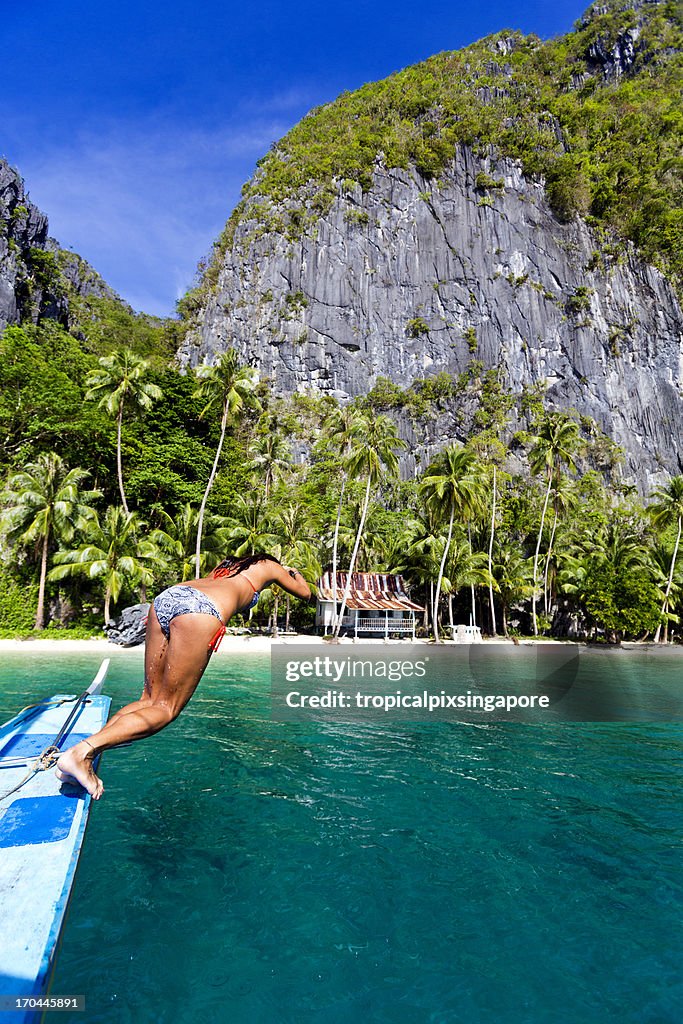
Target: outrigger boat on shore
(42, 825)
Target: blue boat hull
(42, 825)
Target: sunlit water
(259, 872)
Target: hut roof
(370, 591)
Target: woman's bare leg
(156, 646)
(172, 672)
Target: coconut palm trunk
(490, 562)
(335, 546)
(359, 534)
(40, 611)
(546, 596)
(435, 609)
(472, 594)
(212, 477)
(276, 601)
(669, 584)
(538, 549)
(119, 460)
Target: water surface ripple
(260, 872)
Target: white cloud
(143, 202)
(294, 99)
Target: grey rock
(80, 276)
(416, 277)
(128, 630)
(616, 59)
(24, 227)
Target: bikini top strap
(228, 572)
(249, 582)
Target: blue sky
(135, 125)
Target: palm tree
(373, 542)
(45, 504)
(416, 551)
(229, 387)
(660, 563)
(620, 544)
(617, 544)
(666, 510)
(341, 424)
(465, 567)
(178, 537)
(373, 453)
(563, 500)
(488, 446)
(248, 528)
(513, 575)
(451, 485)
(120, 380)
(554, 446)
(494, 495)
(291, 528)
(271, 458)
(113, 550)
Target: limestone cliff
(409, 279)
(409, 271)
(37, 277)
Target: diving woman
(182, 633)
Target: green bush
(579, 301)
(625, 604)
(45, 269)
(568, 189)
(470, 337)
(416, 327)
(18, 603)
(485, 183)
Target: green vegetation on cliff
(596, 113)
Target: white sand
(229, 644)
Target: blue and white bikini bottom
(182, 600)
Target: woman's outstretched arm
(292, 581)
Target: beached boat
(42, 825)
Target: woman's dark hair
(232, 566)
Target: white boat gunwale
(40, 938)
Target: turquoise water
(259, 872)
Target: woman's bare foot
(75, 765)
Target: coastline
(229, 645)
(236, 645)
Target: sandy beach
(230, 645)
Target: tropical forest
(125, 469)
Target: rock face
(128, 630)
(22, 227)
(416, 277)
(37, 277)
